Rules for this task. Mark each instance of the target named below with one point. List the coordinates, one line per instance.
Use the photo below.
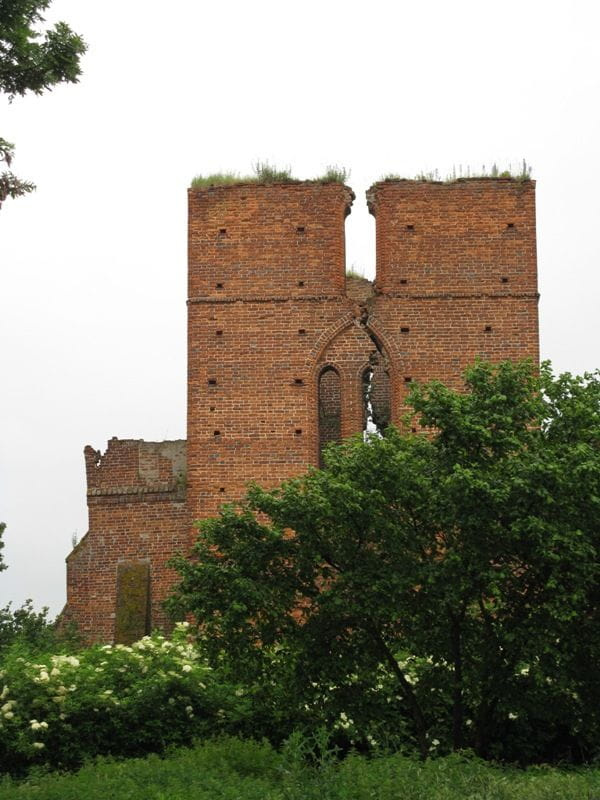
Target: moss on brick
(133, 602)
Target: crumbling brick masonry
(285, 353)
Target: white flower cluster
(345, 721)
(7, 709)
(36, 698)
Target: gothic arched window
(330, 409)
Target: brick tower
(286, 354)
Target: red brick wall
(137, 513)
(269, 309)
(464, 236)
(461, 283)
(250, 375)
(267, 240)
(456, 279)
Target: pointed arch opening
(330, 408)
(376, 393)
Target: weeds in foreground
(305, 769)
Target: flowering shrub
(111, 700)
(58, 710)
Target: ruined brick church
(287, 353)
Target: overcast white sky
(93, 265)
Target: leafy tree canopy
(439, 588)
(32, 61)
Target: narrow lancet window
(330, 409)
(376, 398)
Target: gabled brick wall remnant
(285, 353)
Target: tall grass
(234, 769)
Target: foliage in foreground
(232, 769)
(60, 710)
(32, 62)
(439, 592)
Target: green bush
(108, 700)
(32, 629)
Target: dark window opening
(376, 394)
(330, 409)
(300, 229)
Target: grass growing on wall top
(352, 272)
(521, 173)
(333, 174)
(218, 179)
(264, 173)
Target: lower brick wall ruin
(137, 516)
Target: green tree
(32, 61)
(29, 627)
(451, 572)
(10, 185)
